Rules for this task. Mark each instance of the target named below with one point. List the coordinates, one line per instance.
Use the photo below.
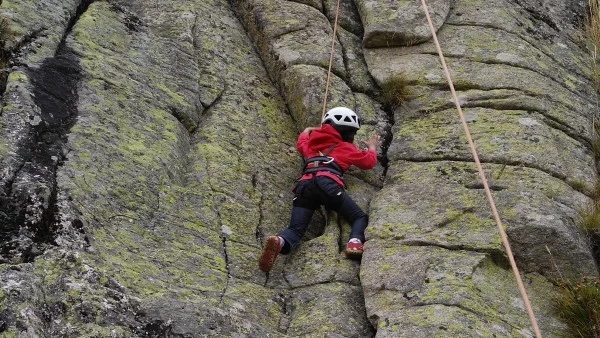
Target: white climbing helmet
(342, 117)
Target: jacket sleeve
(302, 143)
(363, 159)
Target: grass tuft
(592, 28)
(395, 91)
(595, 138)
(579, 306)
(579, 303)
(590, 218)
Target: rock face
(147, 149)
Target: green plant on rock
(579, 303)
(595, 139)
(592, 28)
(395, 91)
(579, 306)
(590, 218)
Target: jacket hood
(324, 137)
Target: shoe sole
(354, 255)
(269, 254)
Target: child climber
(328, 151)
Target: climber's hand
(374, 142)
(309, 129)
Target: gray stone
(147, 148)
(399, 23)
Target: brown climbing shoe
(269, 254)
(354, 249)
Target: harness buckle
(331, 159)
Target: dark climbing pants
(310, 195)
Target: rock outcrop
(148, 147)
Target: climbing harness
(323, 162)
(505, 242)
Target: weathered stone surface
(147, 148)
(37, 28)
(421, 291)
(289, 33)
(442, 204)
(525, 89)
(348, 16)
(399, 23)
(359, 78)
(178, 164)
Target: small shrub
(395, 91)
(592, 28)
(590, 218)
(579, 306)
(596, 191)
(592, 22)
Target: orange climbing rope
(511, 258)
(335, 24)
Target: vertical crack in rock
(261, 216)
(227, 265)
(287, 310)
(82, 8)
(28, 212)
(222, 235)
(538, 14)
(272, 77)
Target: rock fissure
(464, 86)
(548, 120)
(187, 216)
(458, 247)
(471, 86)
(287, 313)
(81, 9)
(560, 84)
(563, 127)
(31, 201)
(449, 220)
(283, 274)
(288, 32)
(538, 15)
(528, 42)
(327, 282)
(229, 277)
(482, 316)
(490, 102)
(258, 232)
(514, 163)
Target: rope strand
(337, 12)
(484, 180)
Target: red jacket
(344, 153)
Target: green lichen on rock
(478, 296)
